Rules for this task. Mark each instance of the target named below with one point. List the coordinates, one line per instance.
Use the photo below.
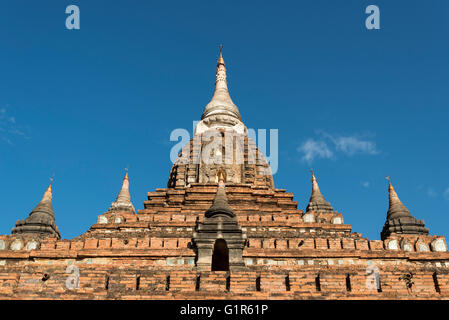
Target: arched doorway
(220, 257)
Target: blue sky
(354, 104)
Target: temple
(221, 229)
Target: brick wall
(149, 256)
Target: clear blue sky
(354, 104)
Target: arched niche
(220, 256)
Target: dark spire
(317, 203)
(220, 226)
(41, 220)
(220, 205)
(399, 219)
(396, 208)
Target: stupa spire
(220, 226)
(41, 221)
(317, 202)
(396, 208)
(220, 204)
(123, 201)
(315, 187)
(48, 195)
(399, 219)
(221, 108)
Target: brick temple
(222, 230)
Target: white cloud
(431, 192)
(326, 145)
(8, 127)
(446, 194)
(353, 145)
(312, 149)
(365, 184)
(7, 141)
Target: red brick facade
(149, 256)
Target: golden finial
(221, 175)
(48, 193)
(315, 187)
(220, 58)
(313, 174)
(390, 186)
